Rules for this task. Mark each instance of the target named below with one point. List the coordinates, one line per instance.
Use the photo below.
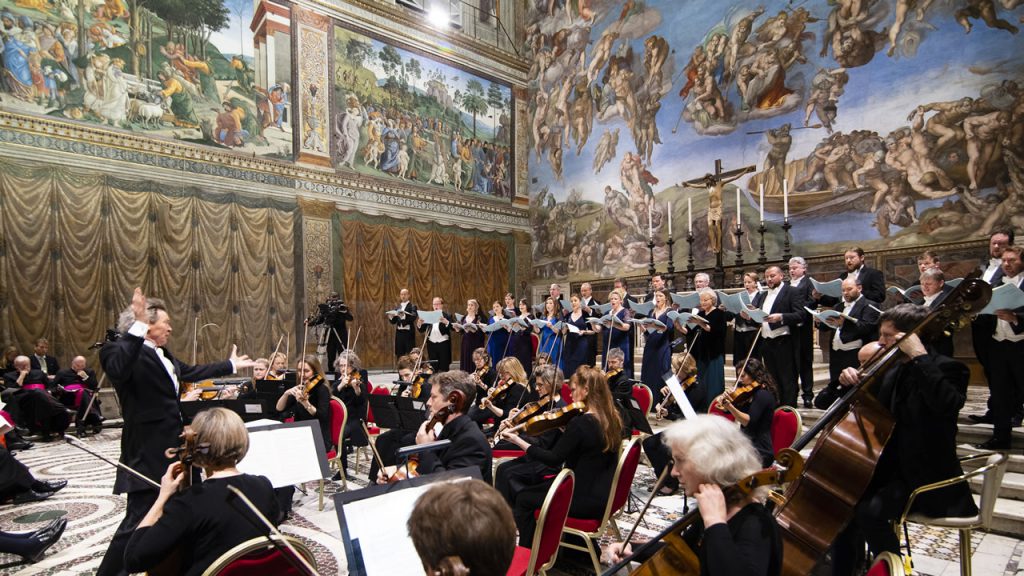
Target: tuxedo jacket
(469, 448)
(149, 404)
(866, 327)
(444, 328)
(51, 364)
(872, 286)
(68, 376)
(804, 287)
(410, 315)
(788, 303)
(989, 321)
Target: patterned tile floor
(94, 512)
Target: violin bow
(372, 443)
(274, 355)
(125, 467)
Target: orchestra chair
(589, 529)
(714, 409)
(499, 455)
(566, 393)
(257, 557)
(887, 564)
(371, 426)
(339, 416)
(991, 474)
(541, 555)
(786, 426)
(645, 398)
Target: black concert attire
(872, 285)
(805, 341)
(470, 342)
(515, 397)
(981, 327)
(924, 396)
(204, 522)
(146, 379)
(405, 338)
(657, 358)
(845, 343)
(581, 449)
(439, 342)
(33, 406)
(514, 475)
(51, 368)
(777, 347)
(761, 411)
(621, 339)
(748, 544)
(591, 357)
(621, 388)
(77, 395)
(15, 477)
(356, 406)
(709, 352)
(320, 398)
(333, 315)
(1005, 350)
(469, 448)
(943, 344)
(520, 345)
(577, 346)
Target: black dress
(577, 346)
(470, 342)
(320, 398)
(761, 411)
(203, 521)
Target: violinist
(199, 519)
(508, 393)
(260, 371)
(755, 409)
(589, 447)
(685, 368)
(351, 386)
(450, 394)
(482, 373)
(514, 475)
(621, 388)
(412, 385)
(310, 399)
(278, 366)
(925, 394)
(736, 536)
(471, 340)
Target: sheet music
(833, 288)
(432, 317)
(680, 395)
(286, 456)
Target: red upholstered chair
(786, 426)
(339, 416)
(887, 564)
(541, 555)
(645, 398)
(566, 393)
(714, 409)
(589, 529)
(257, 557)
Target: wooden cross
(714, 183)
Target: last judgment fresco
(893, 122)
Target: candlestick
(785, 199)
(739, 246)
(760, 197)
(689, 215)
(762, 259)
(650, 267)
(650, 223)
(785, 244)
(671, 263)
(737, 206)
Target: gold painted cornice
(315, 208)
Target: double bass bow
(854, 430)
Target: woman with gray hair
(736, 535)
(351, 386)
(709, 348)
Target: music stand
(288, 453)
(248, 408)
(385, 414)
(411, 412)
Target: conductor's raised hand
(139, 305)
(242, 361)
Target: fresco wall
(409, 117)
(163, 68)
(893, 123)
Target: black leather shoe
(994, 444)
(808, 404)
(43, 486)
(30, 496)
(985, 418)
(41, 541)
(20, 445)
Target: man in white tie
(147, 379)
(981, 331)
(1006, 346)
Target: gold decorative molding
(311, 208)
(312, 55)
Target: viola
(551, 419)
(738, 396)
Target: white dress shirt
(1004, 330)
(993, 265)
(769, 302)
(140, 329)
(837, 342)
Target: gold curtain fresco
(74, 244)
(383, 255)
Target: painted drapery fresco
(201, 71)
(891, 122)
(402, 115)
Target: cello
(854, 431)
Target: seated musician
(450, 393)
(508, 393)
(278, 366)
(589, 447)
(755, 412)
(735, 536)
(514, 475)
(79, 384)
(260, 370)
(621, 388)
(310, 399)
(925, 394)
(685, 369)
(483, 374)
(412, 385)
(31, 403)
(200, 519)
(480, 541)
(351, 386)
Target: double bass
(854, 431)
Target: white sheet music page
(285, 456)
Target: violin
(551, 419)
(662, 409)
(355, 380)
(738, 396)
(529, 411)
(417, 385)
(478, 376)
(308, 387)
(496, 393)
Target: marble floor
(93, 513)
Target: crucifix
(714, 183)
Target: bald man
(79, 385)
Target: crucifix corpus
(714, 184)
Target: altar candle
(669, 219)
(737, 207)
(760, 194)
(689, 215)
(785, 199)
(650, 223)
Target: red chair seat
(507, 453)
(332, 454)
(373, 430)
(584, 524)
(260, 564)
(520, 562)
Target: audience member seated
(79, 384)
(31, 404)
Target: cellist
(734, 537)
(924, 394)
